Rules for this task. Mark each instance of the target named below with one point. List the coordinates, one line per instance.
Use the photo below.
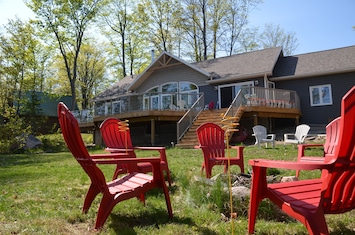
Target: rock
(32, 142)
(240, 192)
(289, 179)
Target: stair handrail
(189, 117)
(236, 104)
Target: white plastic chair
(261, 136)
(181, 104)
(299, 136)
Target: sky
(318, 24)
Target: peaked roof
(241, 66)
(164, 60)
(119, 88)
(315, 64)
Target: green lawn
(43, 194)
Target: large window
(321, 95)
(172, 95)
(151, 99)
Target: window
(321, 95)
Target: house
(275, 90)
(40, 110)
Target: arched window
(188, 93)
(171, 95)
(151, 99)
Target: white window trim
(321, 101)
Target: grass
(42, 193)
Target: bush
(13, 132)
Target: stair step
(190, 139)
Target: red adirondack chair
(332, 134)
(117, 138)
(133, 184)
(212, 142)
(309, 200)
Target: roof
(120, 87)
(315, 63)
(241, 66)
(164, 60)
(249, 65)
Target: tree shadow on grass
(125, 224)
(9, 160)
(341, 229)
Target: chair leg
(167, 200)
(105, 208)
(256, 195)
(240, 150)
(316, 224)
(90, 196)
(166, 169)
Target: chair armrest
(110, 156)
(131, 164)
(302, 147)
(127, 160)
(289, 136)
(237, 147)
(271, 136)
(119, 150)
(161, 151)
(150, 148)
(289, 164)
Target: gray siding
(209, 94)
(173, 74)
(340, 84)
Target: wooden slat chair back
(211, 138)
(117, 138)
(133, 184)
(339, 180)
(309, 200)
(332, 136)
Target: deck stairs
(189, 140)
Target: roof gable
(163, 61)
(119, 88)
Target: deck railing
(139, 102)
(259, 96)
(193, 103)
(186, 121)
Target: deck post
(152, 132)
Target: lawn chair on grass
(332, 136)
(299, 136)
(117, 138)
(309, 200)
(261, 136)
(212, 142)
(133, 184)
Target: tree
(68, 21)
(196, 20)
(163, 17)
(275, 36)
(118, 19)
(235, 24)
(91, 70)
(218, 13)
(247, 40)
(214, 25)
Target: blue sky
(318, 24)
